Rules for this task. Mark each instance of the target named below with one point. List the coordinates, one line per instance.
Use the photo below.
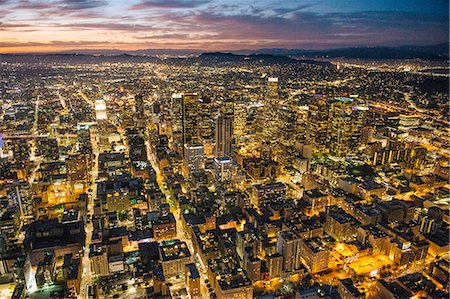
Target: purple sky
(56, 25)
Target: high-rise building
(346, 122)
(177, 112)
(205, 125)
(190, 118)
(340, 126)
(224, 135)
(194, 157)
(288, 245)
(239, 120)
(318, 122)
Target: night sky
(51, 26)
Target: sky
(214, 25)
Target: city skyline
(214, 25)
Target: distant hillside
(214, 58)
(224, 58)
(431, 52)
(428, 52)
(74, 58)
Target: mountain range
(428, 52)
(265, 56)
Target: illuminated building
(264, 195)
(318, 122)
(224, 135)
(193, 281)
(390, 290)
(375, 237)
(191, 105)
(252, 265)
(272, 88)
(340, 225)
(224, 168)
(239, 120)
(345, 125)
(315, 254)
(288, 245)
(100, 109)
(98, 258)
(77, 167)
(274, 264)
(347, 290)
(139, 106)
(45, 273)
(228, 279)
(194, 157)
(405, 154)
(120, 194)
(317, 200)
(177, 112)
(174, 255)
(164, 226)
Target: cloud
(109, 26)
(154, 4)
(217, 25)
(60, 5)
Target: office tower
(239, 120)
(190, 118)
(205, 119)
(194, 157)
(224, 135)
(100, 109)
(272, 88)
(318, 122)
(340, 128)
(287, 125)
(177, 112)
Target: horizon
(55, 26)
(201, 51)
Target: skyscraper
(190, 118)
(194, 157)
(224, 135)
(345, 126)
(239, 120)
(318, 122)
(177, 112)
